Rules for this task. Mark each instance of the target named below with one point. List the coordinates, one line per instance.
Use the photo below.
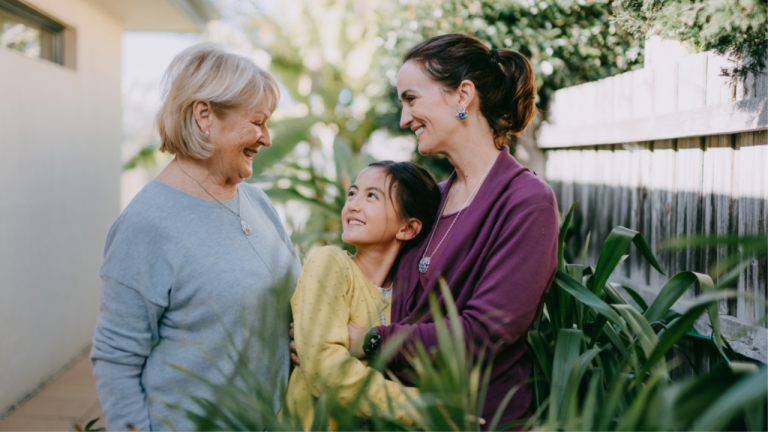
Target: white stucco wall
(60, 137)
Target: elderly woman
(195, 252)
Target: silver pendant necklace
(243, 225)
(424, 263)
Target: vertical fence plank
(662, 205)
(590, 104)
(605, 100)
(642, 96)
(622, 97)
(720, 211)
(688, 180)
(642, 163)
(753, 219)
(623, 191)
(665, 88)
(719, 89)
(692, 82)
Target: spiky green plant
(601, 362)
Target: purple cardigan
(499, 261)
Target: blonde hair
(206, 72)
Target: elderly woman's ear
(203, 113)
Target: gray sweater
(178, 274)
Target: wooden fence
(671, 151)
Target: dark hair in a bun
(503, 79)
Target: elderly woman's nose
(266, 138)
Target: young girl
(391, 206)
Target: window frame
(26, 15)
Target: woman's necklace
(387, 293)
(243, 225)
(424, 263)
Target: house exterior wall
(60, 137)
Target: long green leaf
(563, 233)
(577, 290)
(541, 352)
(636, 297)
(614, 249)
(570, 411)
(747, 391)
(566, 351)
(612, 401)
(681, 403)
(679, 327)
(631, 418)
(672, 291)
(592, 401)
(643, 331)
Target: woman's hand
(356, 339)
(294, 353)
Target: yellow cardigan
(331, 291)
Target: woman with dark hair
(495, 237)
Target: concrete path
(67, 403)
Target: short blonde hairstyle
(206, 72)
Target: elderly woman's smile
(237, 138)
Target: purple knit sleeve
(505, 299)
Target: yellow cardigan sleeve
(321, 310)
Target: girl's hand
(294, 354)
(356, 339)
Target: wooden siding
(672, 150)
(685, 187)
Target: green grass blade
(542, 353)
(566, 351)
(672, 291)
(616, 298)
(613, 251)
(746, 391)
(577, 290)
(679, 327)
(590, 409)
(634, 414)
(636, 297)
(586, 248)
(615, 391)
(563, 232)
(643, 331)
(570, 418)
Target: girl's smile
(369, 216)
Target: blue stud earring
(461, 113)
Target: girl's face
(369, 217)
(428, 111)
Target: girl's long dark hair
(414, 192)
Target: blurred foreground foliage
(602, 361)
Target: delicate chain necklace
(243, 225)
(387, 293)
(424, 263)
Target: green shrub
(600, 363)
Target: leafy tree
(736, 28)
(321, 52)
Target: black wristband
(372, 343)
